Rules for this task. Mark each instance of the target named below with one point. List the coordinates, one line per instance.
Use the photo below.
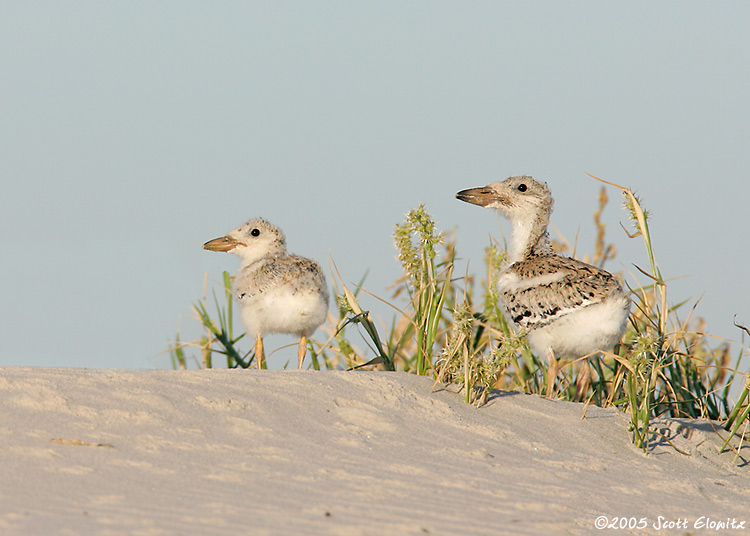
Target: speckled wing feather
(542, 289)
(270, 272)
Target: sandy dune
(239, 452)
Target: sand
(236, 452)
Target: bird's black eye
(521, 187)
(255, 232)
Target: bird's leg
(259, 357)
(583, 381)
(301, 351)
(551, 373)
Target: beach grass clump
(453, 330)
(428, 284)
(670, 366)
(218, 335)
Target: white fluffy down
(279, 311)
(594, 328)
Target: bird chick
(565, 307)
(277, 292)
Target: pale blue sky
(133, 132)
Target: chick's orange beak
(225, 243)
(482, 196)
